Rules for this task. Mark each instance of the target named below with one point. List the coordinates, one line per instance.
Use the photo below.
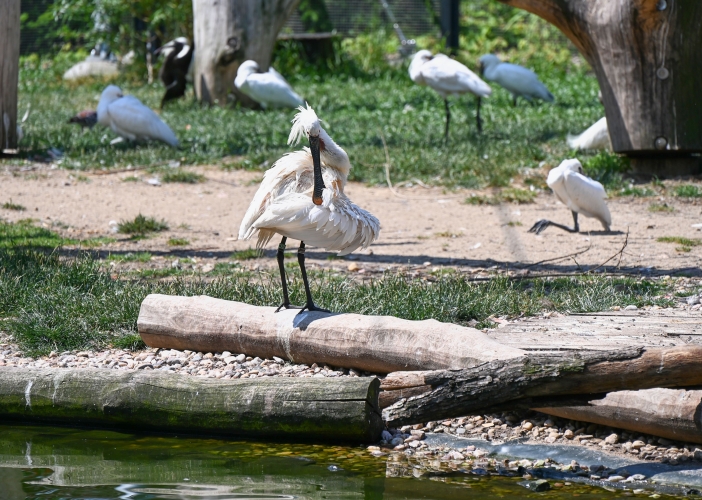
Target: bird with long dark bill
(302, 197)
(579, 193)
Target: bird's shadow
(304, 319)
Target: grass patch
(607, 168)
(688, 191)
(249, 253)
(182, 176)
(8, 205)
(129, 257)
(131, 178)
(141, 226)
(508, 195)
(514, 223)
(177, 242)
(24, 234)
(680, 240)
(97, 242)
(478, 199)
(639, 192)
(660, 207)
(448, 234)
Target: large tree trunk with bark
(647, 58)
(229, 32)
(9, 73)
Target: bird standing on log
(579, 193)
(447, 77)
(268, 89)
(176, 67)
(130, 119)
(520, 81)
(302, 197)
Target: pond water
(54, 463)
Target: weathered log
(9, 73)
(646, 56)
(379, 344)
(669, 413)
(540, 381)
(342, 409)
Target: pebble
(631, 307)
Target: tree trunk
(647, 58)
(229, 32)
(540, 381)
(9, 73)
(379, 344)
(342, 409)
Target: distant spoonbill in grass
(87, 118)
(302, 197)
(176, 67)
(595, 137)
(447, 77)
(521, 82)
(130, 119)
(579, 193)
(268, 89)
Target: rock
(352, 267)
(386, 436)
(568, 434)
(154, 181)
(527, 426)
(397, 441)
(692, 300)
(612, 439)
(278, 360)
(419, 433)
(548, 423)
(638, 444)
(480, 453)
(637, 477)
(230, 360)
(615, 479)
(664, 442)
(631, 307)
(240, 358)
(539, 485)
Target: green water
(59, 463)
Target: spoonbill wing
(595, 137)
(130, 115)
(271, 89)
(521, 81)
(587, 196)
(451, 77)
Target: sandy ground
(419, 225)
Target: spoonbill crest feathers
(304, 124)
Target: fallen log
(378, 344)
(670, 413)
(341, 409)
(540, 381)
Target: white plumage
(130, 119)
(448, 78)
(268, 89)
(520, 81)
(595, 137)
(283, 203)
(579, 193)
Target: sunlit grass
(9, 205)
(141, 225)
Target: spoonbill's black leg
(281, 265)
(544, 223)
(477, 117)
(448, 119)
(301, 260)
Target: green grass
(177, 242)
(688, 191)
(8, 205)
(97, 242)
(639, 192)
(182, 176)
(26, 234)
(509, 195)
(129, 257)
(660, 207)
(680, 240)
(142, 225)
(249, 253)
(131, 178)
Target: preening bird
(268, 89)
(302, 197)
(87, 118)
(176, 67)
(595, 137)
(579, 193)
(521, 82)
(130, 119)
(448, 78)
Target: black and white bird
(520, 81)
(269, 89)
(579, 193)
(130, 119)
(176, 69)
(448, 78)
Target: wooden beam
(379, 344)
(341, 409)
(9, 73)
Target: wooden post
(646, 55)
(9, 73)
(450, 23)
(228, 32)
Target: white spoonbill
(521, 82)
(268, 89)
(579, 193)
(447, 77)
(302, 197)
(595, 137)
(129, 118)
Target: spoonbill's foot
(311, 307)
(288, 306)
(540, 226)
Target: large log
(646, 56)
(669, 413)
(540, 381)
(9, 73)
(342, 409)
(379, 344)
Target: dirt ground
(420, 226)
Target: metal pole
(450, 14)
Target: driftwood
(342, 409)
(669, 413)
(540, 381)
(379, 344)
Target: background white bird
(177, 67)
(448, 78)
(520, 81)
(302, 197)
(268, 89)
(595, 137)
(579, 193)
(130, 119)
